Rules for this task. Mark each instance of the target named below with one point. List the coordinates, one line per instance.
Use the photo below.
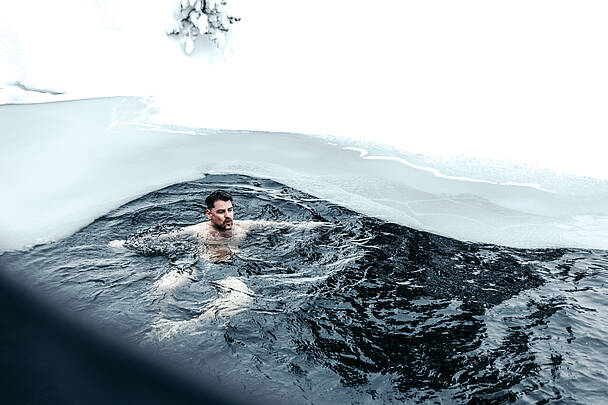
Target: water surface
(361, 311)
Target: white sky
(517, 80)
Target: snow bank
(64, 164)
(522, 81)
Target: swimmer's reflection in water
(221, 235)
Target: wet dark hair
(217, 195)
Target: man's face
(221, 215)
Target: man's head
(219, 210)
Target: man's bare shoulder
(196, 229)
(193, 228)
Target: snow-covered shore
(65, 164)
(479, 98)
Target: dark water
(362, 311)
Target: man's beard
(224, 226)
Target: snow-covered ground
(65, 164)
(520, 80)
(517, 84)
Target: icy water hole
(361, 311)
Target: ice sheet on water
(65, 164)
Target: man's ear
(208, 213)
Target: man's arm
(251, 224)
(188, 230)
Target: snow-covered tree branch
(198, 18)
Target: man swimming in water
(219, 238)
(222, 234)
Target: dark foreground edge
(48, 356)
